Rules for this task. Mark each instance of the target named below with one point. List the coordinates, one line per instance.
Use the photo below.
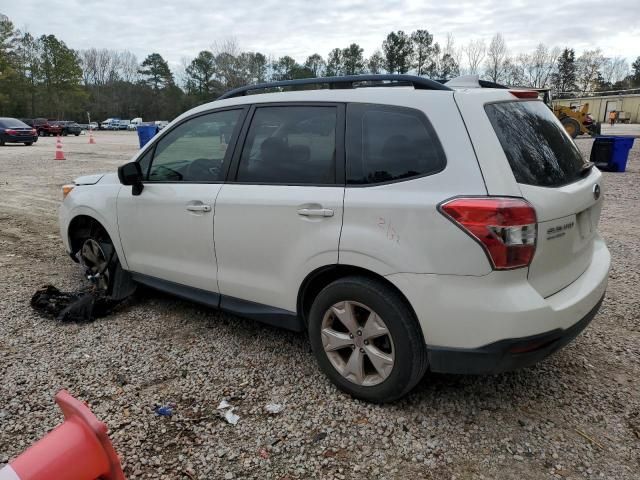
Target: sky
(179, 29)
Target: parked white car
(123, 124)
(406, 227)
(110, 124)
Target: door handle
(199, 208)
(315, 212)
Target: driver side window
(195, 150)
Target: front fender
(98, 202)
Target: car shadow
(551, 379)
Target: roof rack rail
(346, 81)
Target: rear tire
(28, 144)
(382, 356)
(571, 125)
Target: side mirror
(131, 174)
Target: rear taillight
(10, 131)
(505, 227)
(34, 131)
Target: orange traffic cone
(91, 139)
(79, 449)
(59, 156)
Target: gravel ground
(575, 415)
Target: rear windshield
(538, 149)
(12, 123)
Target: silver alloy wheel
(95, 261)
(357, 343)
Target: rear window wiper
(586, 168)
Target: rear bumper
(499, 321)
(508, 354)
(20, 138)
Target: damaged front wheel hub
(96, 262)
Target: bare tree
(228, 45)
(496, 56)
(226, 53)
(88, 62)
(474, 51)
(128, 67)
(451, 49)
(538, 66)
(614, 69)
(181, 76)
(106, 66)
(447, 65)
(588, 70)
(513, 72)
(101, 67)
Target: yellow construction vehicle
(576, 120)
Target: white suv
(406, 227)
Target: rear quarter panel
(496, 171)
(396, 227)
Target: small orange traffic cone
(59, 156)
(91, 139)
(78, 449)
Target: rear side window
(538, 149)
(290, 145)
(387, 143)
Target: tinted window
(295, 144)
(538, 149)
(388, 143)
(195, 150)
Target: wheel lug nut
(359, 332)
(351, 335)
(362, 350)
(366, 342)
(353, 347)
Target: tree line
(44, 77)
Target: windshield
(535, 143)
